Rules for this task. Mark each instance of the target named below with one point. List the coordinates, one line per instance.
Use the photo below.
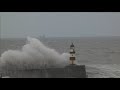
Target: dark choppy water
(101, 55)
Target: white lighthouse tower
(72, 54)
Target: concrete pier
(70, 71)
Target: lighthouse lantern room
(72, 54)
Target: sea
(101, 55)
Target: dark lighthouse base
(76, 71)
(71, 71)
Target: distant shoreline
(72, 37)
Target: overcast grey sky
(59, 24)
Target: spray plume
(33, 55)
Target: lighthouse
(72, 54)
